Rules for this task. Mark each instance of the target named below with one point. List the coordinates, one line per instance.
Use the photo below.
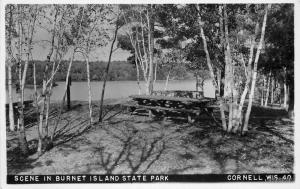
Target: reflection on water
(114, 89)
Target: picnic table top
(168, 98)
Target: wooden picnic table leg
(150, 114)
(190, 118)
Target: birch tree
(94, 35)
(116, 29)
(27, 16)
(139, 20)
(10, 30)
(254, 73)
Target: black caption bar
(44, 179)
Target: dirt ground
(134, 144)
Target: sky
(40, 49)
(100, 54)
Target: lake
(114, 89)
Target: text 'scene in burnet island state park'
(102, 93)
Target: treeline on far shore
(119, 71)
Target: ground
(133, 144)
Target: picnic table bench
(171, 105)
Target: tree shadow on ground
(261, 146)
(137, 145)
(16, 162)
(137, 152)
(69, 129)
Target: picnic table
(172, 106)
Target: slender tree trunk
(223, 117)
(251, 96)
(208, 60)
(167, 80)
(155, 73)
(24, 145)
(285, 90)
(9, 65)
(47, 92)
(40, 127)
(35, 94)
(229, 91)
(44, 93)
(21, 127)
(268, 89)
(10, 100)
(272, 90)
(89, 89)
(137, 74)
(285, 95)
(291, 100)
(263, 91)
(54, 70)
(197, 82)
(221, 20)
(219, 81)
(48, 99)
(222, 83)
(107, 70)
(209, 64)
(149, 84)
(138, 55)
(64, 96)
(248, 76)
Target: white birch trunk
(272, 90)
(251, 96)
(268, 90)
(10, 101)
(89, 89)
(9, 65)
(167, 80)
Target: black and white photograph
(148, 93)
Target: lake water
(114, 89)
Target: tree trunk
(222, 50)
(272, 90)
(40, 127)
(210, 68)
(107, 70)
(222, 83)
(229, 91)
(137, 74)
(167, 80)
(223, 117)
(21, 128)
(263, 91)
(285, 101)
(248, 76)
(251, 95)
(23, 143)
(64, 96)
(219, 77)
(41, 106)
(10, 100)
(268, 89)
(44, 92)
(208, 60)
(9, 65)
(291, 100)
(89, 89)
(155, 72)
(48, 98)
(149, 84)
(197, 82)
